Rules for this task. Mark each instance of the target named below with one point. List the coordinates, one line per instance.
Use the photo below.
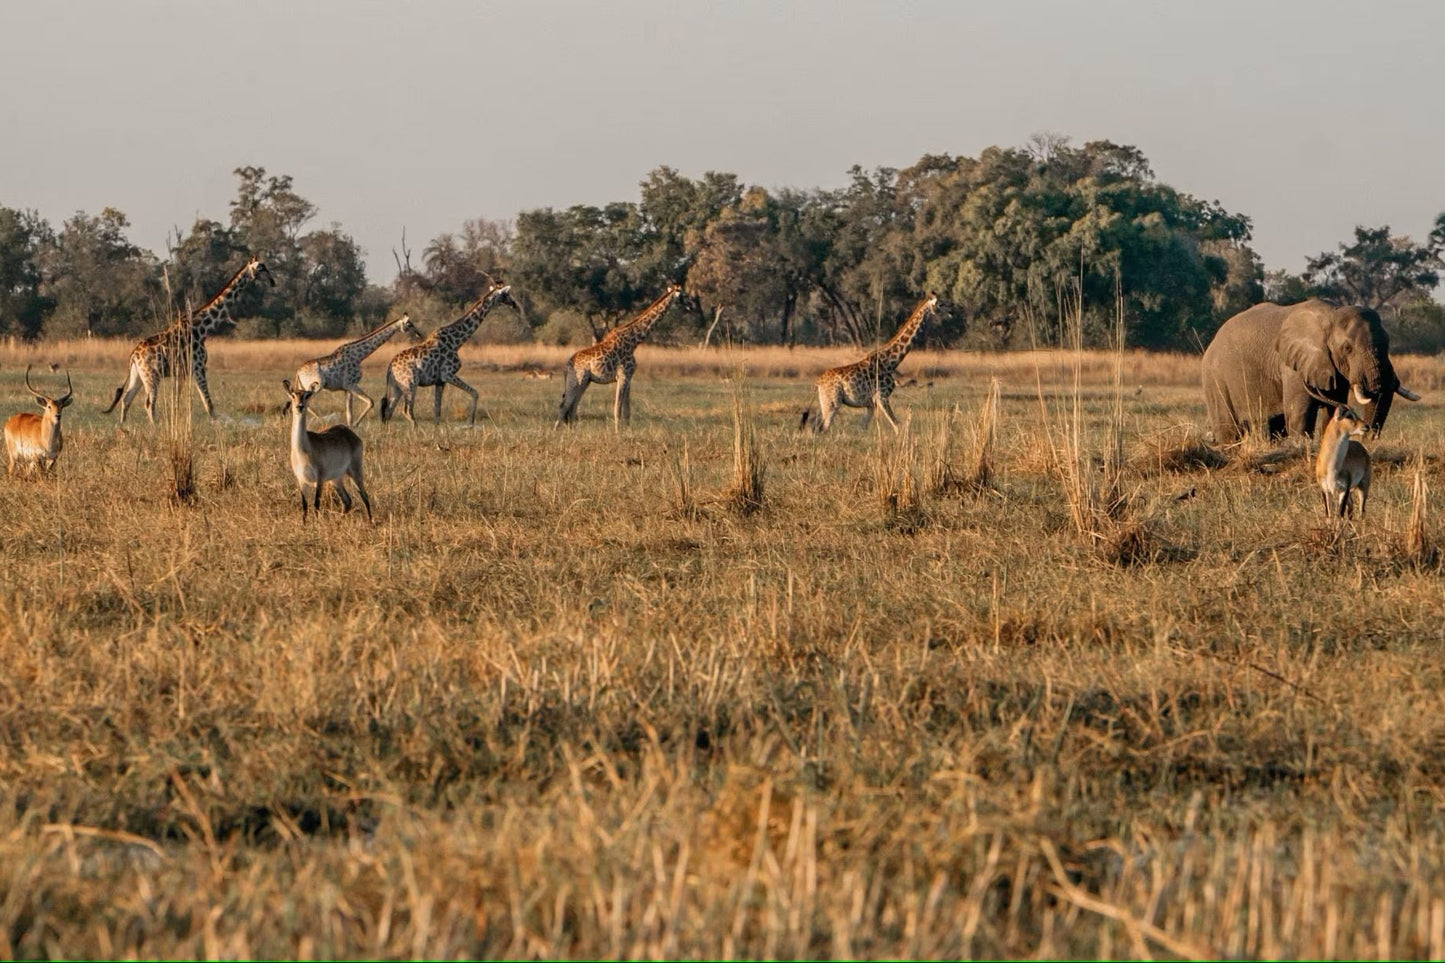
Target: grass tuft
(750, 467)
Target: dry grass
(553, 704)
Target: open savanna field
(575, 693)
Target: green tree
(585, 258)
(101, 283)
(1379, 270)
(24, 235)
(1017, 236)
(334, 277)
(757, 261)
(1282, 287)
(675, 211)
(456, 266)
(200, 261)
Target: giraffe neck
(454, 335)
(217, 311)
(897, 347)
(366, 344)
(630, 334)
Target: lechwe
(34, 440)
(318, 457)
(1343, 465)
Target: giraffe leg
(456, 382)
(126, 393)
(571, 395)
(887, 409)
(388, 399)
(619, 403)
(198, 375)
(410, 409)
(131, 390)
(355, 392)
(439, 389)
(205, 393)
(151, 386)
(827, 407)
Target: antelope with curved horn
(318, 457)
(35, 440)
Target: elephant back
(1250, 337)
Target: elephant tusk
(1406, 393)
(1359, 395)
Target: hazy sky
(1310, 117)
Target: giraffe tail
(807, 413)
(386, 402)
(116, 400)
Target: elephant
(1278, 366)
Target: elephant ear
(1303, 344)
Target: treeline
(1014, 240)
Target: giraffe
(611, 359)
(154, 358)
(868, 382)
(341, 369)
(435, 362)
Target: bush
(564, 327)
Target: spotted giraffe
(868, 382)
(154, 358)
(611, 359)
(341, 369)
(435, 361)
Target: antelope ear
(41, 401)
(286, 383)
(1303, 343)
(65, 402)
(1406, 393)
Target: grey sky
(1310, 117)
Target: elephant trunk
(1372, 389)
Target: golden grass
(560, 700)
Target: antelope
(35, 439)
(1343, 464)
(318, 457)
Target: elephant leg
(1222, 416)
(1299, 412)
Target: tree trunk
(716, 317)
(787, 317)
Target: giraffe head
(500, 294)
(404, 325)
(255, 269)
